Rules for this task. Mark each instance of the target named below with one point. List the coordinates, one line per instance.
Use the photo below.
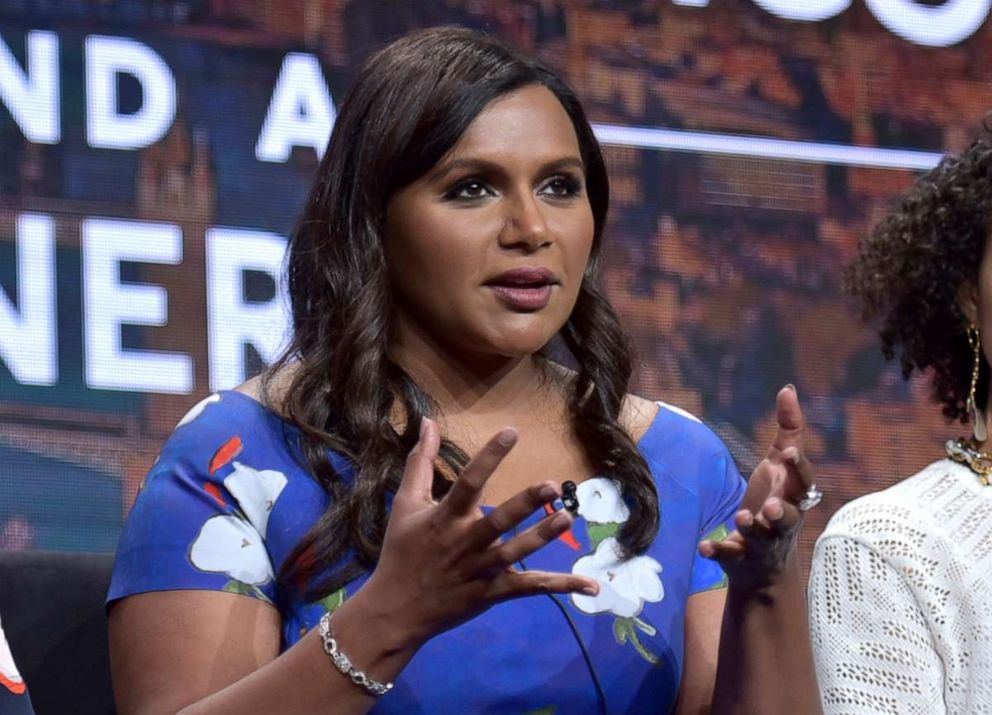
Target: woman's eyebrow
(491, 167)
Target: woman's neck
(471, 385)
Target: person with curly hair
(901, 580)
(320, 541)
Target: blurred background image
(154, 155)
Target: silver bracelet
(343, 662)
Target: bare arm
(703, 618)
(766, 660)
(763, 650)
(765, 657)
(212, 652)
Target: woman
(449, 246)
(902, 578)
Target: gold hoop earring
(978, 426)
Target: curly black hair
(911, 266)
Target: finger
(466, 492)
(515, 584)
(801, 472)
(508, 553)
(774, 519)
(508, 515)
(744, 521)
(724, 551)
(734, 546)
(790, 420)
(418, 474)
(779, 517)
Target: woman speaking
(321, 541)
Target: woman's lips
(525, 298)
(525, 288)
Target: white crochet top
(900, 599)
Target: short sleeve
(199, 521)
(874, 650)
(723, 497)
(14, 698)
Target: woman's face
(486, 251)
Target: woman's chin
(522, 346)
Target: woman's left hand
(757, 552)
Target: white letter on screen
(107, 304)
(32, 95)
(28, 342)
(301, 112)
(106, 127)
(231, 322)
(932, 25)
(809, 10)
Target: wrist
(369, 632)
(767, 587)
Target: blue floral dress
(14, 699)
(228, 499)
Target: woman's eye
(562, 187)
(471, 189)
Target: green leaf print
(718, 534)
(625, 629)
(245, 589)
(330, 603)
(549, 710)
(598, 532)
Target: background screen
(155, 155)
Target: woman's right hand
(443, 563)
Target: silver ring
(813, 497)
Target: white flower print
(600, 501)
(256, 491)
(624, 585)
(234, 544)
(10, 678)
(197, 409)
(229, 545)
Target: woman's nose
(526, 225)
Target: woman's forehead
(529, 122)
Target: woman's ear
(968, 301)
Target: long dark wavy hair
(909, 270)
(411, 103)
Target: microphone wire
(600, 693)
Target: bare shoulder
(269, 390)
(637, 414)
(252, 388)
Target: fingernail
(791, 454)
(591, 589)
(776, 512)
(560, 521)
(423, 427)
(793, 388)
(548, 492)
(508, 437)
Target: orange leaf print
(228, 451)
(17, 687)
(568, 537)
(214, 491)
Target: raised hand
(443, 563)
(755, 554)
